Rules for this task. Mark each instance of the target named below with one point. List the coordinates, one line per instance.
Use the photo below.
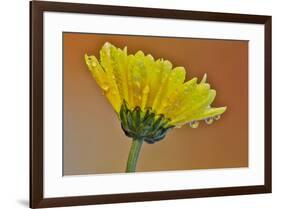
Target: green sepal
(142, 125)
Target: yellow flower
(149, 96)
(143, 82)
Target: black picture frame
(37, 8)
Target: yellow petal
(176, 78)
(165, 69)
(174, 101)
(107, 77)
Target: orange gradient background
(93, 140)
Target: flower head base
(150, 96)
(142, 125)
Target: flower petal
(175, 80)
(108, 85)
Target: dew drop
(94, 64)
(179, 125)
(217, 117)
(137, 83)
(105, 88)
(209, 120)
(145, 90)
(194, 124)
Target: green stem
(133, 155)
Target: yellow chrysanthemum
(150, 96)
(147, 83)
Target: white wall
(14, 81)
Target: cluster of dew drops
(209, 120)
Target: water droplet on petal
(217, 117)
(105, 88)
(179, 125)
(94, 64)
(194, 124)
(145, 90)
(209, 120)
(137, 83)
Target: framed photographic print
(138, 104)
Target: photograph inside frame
(149, 104)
